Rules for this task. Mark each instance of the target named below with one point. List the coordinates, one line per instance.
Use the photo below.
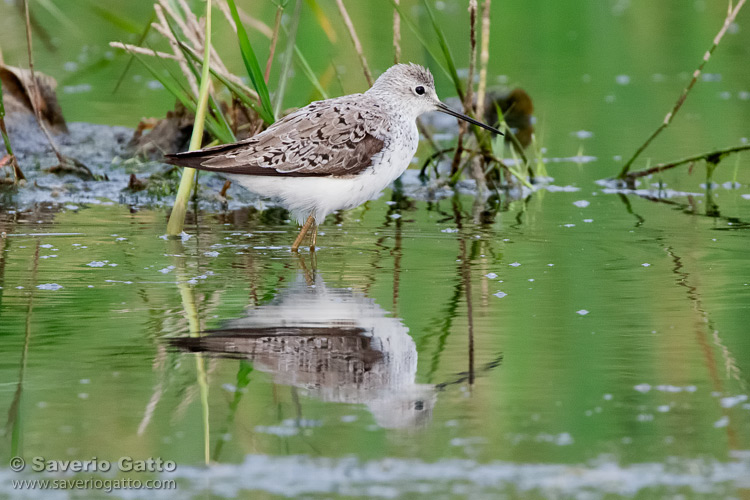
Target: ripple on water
(299, 475)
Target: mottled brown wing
(335, 137)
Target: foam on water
(404, 478)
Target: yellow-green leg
(306, 227)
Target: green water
(577, 343)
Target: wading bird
(334, 154)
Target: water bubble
(722, 422)
(731, 401)
(49, 286)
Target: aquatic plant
(712, 158)
(177, 217)
(185, 42)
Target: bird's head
(411, 88)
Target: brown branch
(712, 157)
(35, 88)
(731, 14)
(355, 41)
(467, 104)
(274, 39)
(396, 34)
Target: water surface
(558, 350)
(575, 342)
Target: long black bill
(448, 111)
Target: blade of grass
(60, 16)
(309, 73)
(175, 85)
(233, 88)
(252, 66)
(288, 55)
(183, 96)
(414, 29)
(214, 107)
(243, 380)
(510, 135)
(323, 21)
(115, 20)
(177, 217)
(446, 51)
(142, 39)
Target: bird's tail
(196, 159)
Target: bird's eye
(419, 90)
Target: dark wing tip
(192, 159)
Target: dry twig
(484, 58)
(163, 28)
(464, 126)
(713, 157)
(65, 163)
(355, 41)
(731, 15)
(274, 39)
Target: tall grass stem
(484, 58)
(177, 217)
(286, 67)
(252, 66)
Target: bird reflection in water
(336, 344)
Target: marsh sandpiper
(334, 154)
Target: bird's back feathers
(335, 137)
